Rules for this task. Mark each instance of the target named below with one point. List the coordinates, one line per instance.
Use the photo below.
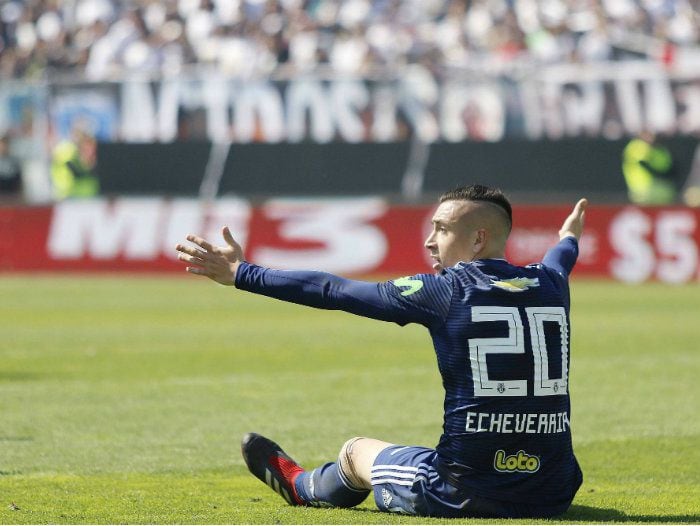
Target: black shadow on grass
(589, 514)
(586, 514)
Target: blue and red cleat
(268, 462)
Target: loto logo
(521, 462)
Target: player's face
(452, 237)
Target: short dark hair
(479, 192)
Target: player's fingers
(197, 270)
(192, 251)
(228, 237)
(201, 242)
(191, 259)
(580, 207)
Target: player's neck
(490, 254)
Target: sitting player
(501, 335)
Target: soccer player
(501, 335)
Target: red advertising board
(345, 236)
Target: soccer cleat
(268, 462)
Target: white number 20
(514, 343)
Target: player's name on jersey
(531, 423)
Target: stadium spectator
(691, 187)
(647, 165)
(10, 174)
(72, 166)
(506, 446)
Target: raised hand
(573, 225)
(218, 263)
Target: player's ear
(480, 239)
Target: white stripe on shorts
(395, 467)
(387, 480)
(402, 476)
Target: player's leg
(344, 483)
(357, 457)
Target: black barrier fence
(533, 170)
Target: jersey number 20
(514, 343)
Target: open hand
(573, 225)
(215, 262)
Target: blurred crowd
(102, 39)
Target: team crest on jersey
(516, 284)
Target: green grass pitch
(123, 399)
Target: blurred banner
(608, 100)
(552, 132)
(346, 236)
(564, 101)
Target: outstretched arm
(562, 257)
(387, 301)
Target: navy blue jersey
(501, 334)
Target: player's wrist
(569, 233)
(234, 271)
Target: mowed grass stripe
(123, 399)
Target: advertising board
(347, 236)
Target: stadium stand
(101, 39)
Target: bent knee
(357, 457)
(351, 463)
(349, 446)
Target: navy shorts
(405, 480)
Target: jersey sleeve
(420, 299)
(423, 298)
(562, 257)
